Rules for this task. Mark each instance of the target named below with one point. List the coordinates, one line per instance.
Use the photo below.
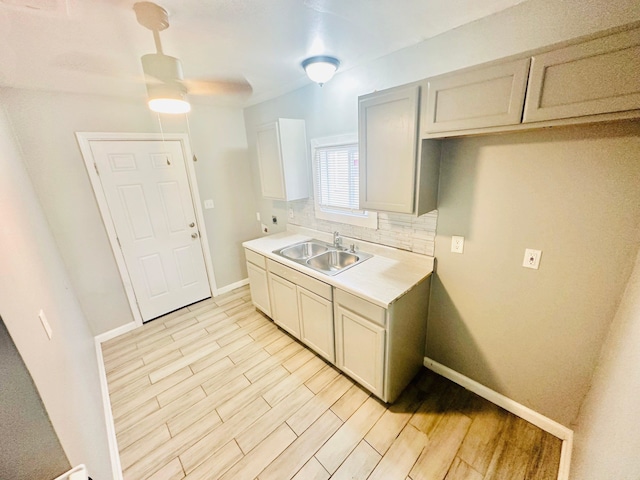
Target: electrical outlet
(291, 213)
(265, 229)
(274, 219)
(45, 324)
(457, 244)
(532, 258)
(208, 203)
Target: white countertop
(388, 275)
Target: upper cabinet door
(388, 133)
(485, 97)
(594, 77)
(282, 159)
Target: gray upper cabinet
(282, 159)
(482, 97)
(388, 149)
(594, 77)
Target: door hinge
(195, 159)
(95, 165)
(119, 244)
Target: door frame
(84, 139)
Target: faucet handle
(353, 248)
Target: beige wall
(45, 126)
(64, 369)
(607, 435)
(573, 193)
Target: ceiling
(94, 46)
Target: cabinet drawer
(305, 281)
(255, 258)
(362, 307)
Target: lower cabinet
(316, 323)
(258, 283)
(380, 348)
(302, 306)
(284, 304)
(360, 347)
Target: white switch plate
(457, 244)
(208, 203)
(532, 258)
(258, 216)
(45, 324)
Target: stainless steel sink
(322, 257)
(333, 261)
(303, 251)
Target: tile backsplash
(398, 230)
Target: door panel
(147, 189)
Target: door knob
(192, 224)
(194, 235)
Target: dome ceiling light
(320, 68)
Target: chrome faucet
(337, 240)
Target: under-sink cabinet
(380, 348)
(302, 306)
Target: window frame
(360, 218)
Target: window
(336, 181)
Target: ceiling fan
(166, 86)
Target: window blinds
(337, 176)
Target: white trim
(108, 415)
(116, 332)
(232, 286)
(554, 428)
(366, 218)
(84, 139)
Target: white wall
(607, 438)
(64, 369)
(45, 126)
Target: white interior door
(146, 187)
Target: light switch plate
(532, 258)
(208, 203)
(457, 244)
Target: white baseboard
(108, 415)
(554, 428)
(233, 286)
(103, 337)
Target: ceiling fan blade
(218, 87)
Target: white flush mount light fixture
(321, 68)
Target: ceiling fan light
(168, 97)
(169, 105)
(320, 69)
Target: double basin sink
(322, 257)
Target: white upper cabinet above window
(282, 159)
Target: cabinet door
(316, 321)
(598, 76)
(484, 97)
(360, 349)
(388, 133)
(259, 288)
(284, 304)
(270, 162)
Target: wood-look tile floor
(216, 390)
